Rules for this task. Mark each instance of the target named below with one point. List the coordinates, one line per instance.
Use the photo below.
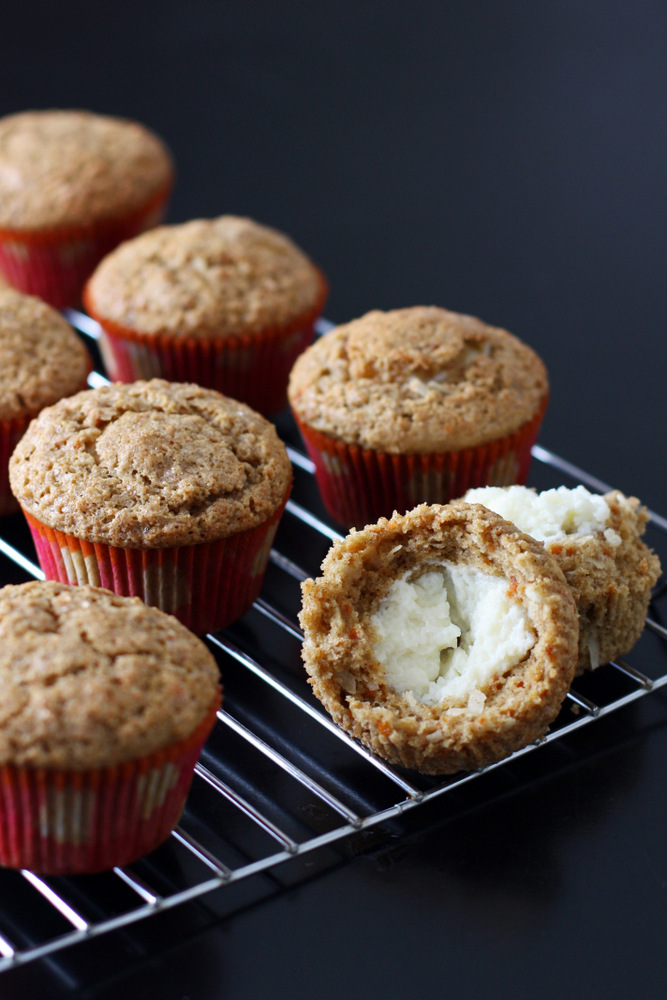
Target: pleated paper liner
(206, 586)
(358, 485)
(54, 264)
(251, 367)
(61, 822)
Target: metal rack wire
(277, 781)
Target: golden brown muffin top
(421, 379)
(339, 648)
(90, 679)
(41, 357)
(208, 278)
(150, 465)
(62, 168)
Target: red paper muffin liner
(206, 586)
(253, 368)
(60, 822)
(54, 264)
(358, 485)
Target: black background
(505, 159)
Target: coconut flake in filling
(549, 514)
(449, 633)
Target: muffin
(597, 542)
(415, 405)
(41, 360)
(164, 491)
(106, 705)
(224, 302)
(73, 184)
(444, 639)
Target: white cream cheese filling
(551, 514)
(450, 633)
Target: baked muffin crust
(459, 732)
(90, 679)
(208, 278)
(41, 357)
(150, 465)
(611, 583)
(421, 380)
(63, 168)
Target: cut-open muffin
(444, 638)
(597, 542)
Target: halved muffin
(597, 542)
(443, 638)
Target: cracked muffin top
(421, 379)
(150, 465)
(90, 679)
(207, 278)
(62, 168)
(41, 357)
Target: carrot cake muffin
(166, 491)
(444, 638)
(106, 704)
(73, 184)
(224, 302)
(597, 542)
(415, 405)
(41, 360)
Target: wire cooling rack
(277, 781)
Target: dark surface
(503, 159)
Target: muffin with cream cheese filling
(165, 491)
(415, 405)
(106, 705)
(597, 542)
(74, 184)
(444, 639)
(225, 302)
